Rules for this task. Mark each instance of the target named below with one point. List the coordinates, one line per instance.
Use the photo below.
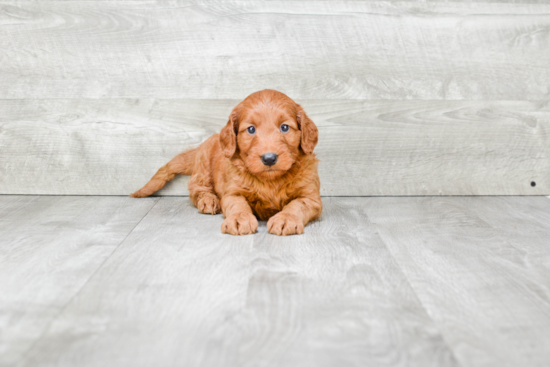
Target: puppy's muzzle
(269, 159)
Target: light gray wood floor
(386, 281)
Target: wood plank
(488, 296)
(307, 49)
(178, 292)
(526, 222)
(49, 248)
(334, 297)
(166, 297)
(113, 147)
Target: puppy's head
(268, 131)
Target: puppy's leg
(202, 194)
(294, 216)
(239, 219)
(181, 164)
(208, 204)
(201, 184)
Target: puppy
(260, 165)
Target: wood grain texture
(114, 146)
(526, 224)
(488, 291)
(376, 281)
(167, 296)
(49, 249)
(178, 292)
(481, 50)
(334, 297)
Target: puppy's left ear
(310, 134)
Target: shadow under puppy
(260, 165)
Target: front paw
(240, 224)
(209, 204)
(285, 224)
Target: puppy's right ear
(228, 135)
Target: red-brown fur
(228, 176)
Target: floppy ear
(228, 135)
(310, 134)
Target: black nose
(269, 159)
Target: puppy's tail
(181, 164)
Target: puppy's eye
(284, 128)
(251, 130)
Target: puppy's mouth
(271, 172)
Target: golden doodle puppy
(261, 165)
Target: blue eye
(284, 128)
(251, 130)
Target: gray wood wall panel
(49, 249)
(98, 95)
(114, 146)
(179, 293)
(308, 49)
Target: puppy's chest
(266, 202)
